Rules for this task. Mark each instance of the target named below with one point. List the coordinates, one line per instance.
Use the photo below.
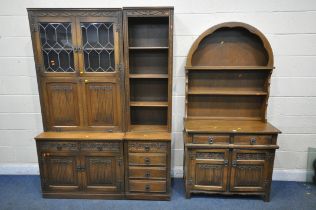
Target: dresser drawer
(145, 146)
(65, 146)
(253, 140)
(211, 139)
(147, 172)
(97, 146)
(147, 186)
(158, 159)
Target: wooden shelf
(216, 68)
(146, 76)
(149, 103)
(206, 91)
(148, 128)
(148, 48)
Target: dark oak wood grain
(229, 146)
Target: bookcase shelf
(149, 103)
(148, 53)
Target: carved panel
(62, 102)
(101, 146)
(249, 176)
(59, 146)
(148, 12)
(209, 174)
(210, 155)
(61, 171)
(101, 104)
(147, 147)
(100, 171)
(251, 156)
(65, 13)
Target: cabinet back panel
(148, 32)
(227, 80)
(225, 106)
(230, 47)
(148, 62)
(149, 115)
(149, 89)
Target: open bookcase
(229, 146)
(148, 59)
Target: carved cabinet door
(102, 166)
(208, 169)
(60, 172)
(102, 104)
(250, 169)
(103, 173)
(61, 100)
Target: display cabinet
(229, 146)
(84, 151)
(78, 57)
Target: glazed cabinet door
(250, 170)
(60, 172)
(102, 104)
(61, 99)
(208, 169)
(55, 46)
(102, 167)
(99, 48)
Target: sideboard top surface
(79, 136)
(229, 126)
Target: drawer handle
(147, 160)
(226, 162)
(210, 140)
(59, 147)
(147, 174)
(147, 187)
(253, 141)
(147, 148)
(234, 163)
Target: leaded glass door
(98, 47)
(56, 46)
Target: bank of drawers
(147, 166)
(232, 139)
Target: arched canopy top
(231, 44)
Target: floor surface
(23, 192)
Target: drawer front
(147, 159)
(147, 172)
(97, 146)
(58, 146)
(141, 146)
(210, 139)
(147, 186)
(253, 140)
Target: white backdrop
(288, 24)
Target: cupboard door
(103, 173)
(249, 170)
(61, 100)
(209, 169)
(59, 172)
(99, 50)
(102, 104)
(54, 44)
